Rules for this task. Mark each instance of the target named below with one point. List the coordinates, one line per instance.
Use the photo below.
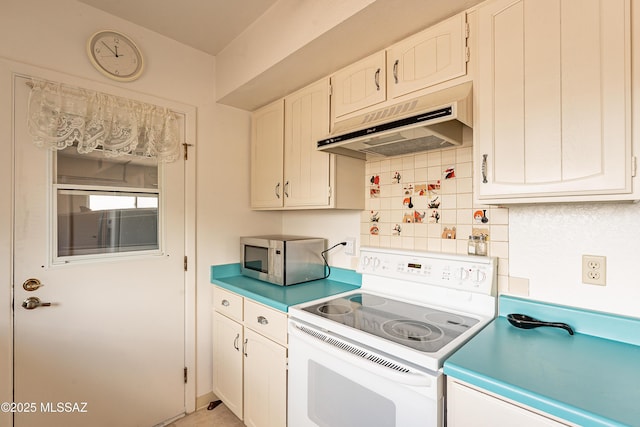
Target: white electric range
(374, 356)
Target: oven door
(335, 383)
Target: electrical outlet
(350, 248)
(594, 270)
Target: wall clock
(115, 55)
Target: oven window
(337, 401)
(256, 258)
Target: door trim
(9, 70)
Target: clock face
(115, 55)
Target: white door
(110, 350)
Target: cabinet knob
(263, 320)
(225, 303)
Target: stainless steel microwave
(282, 260)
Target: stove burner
(412, 330)
(446, 319)
(334, 309)
(367, 300)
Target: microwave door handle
(408, 378)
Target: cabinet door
(432, 56)
(359, 86)
(267, 139)
(306, 170)
(265, 382)
(227, 362)
(470, 407)
(553, 108)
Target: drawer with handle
(227, 303)
(266, 321)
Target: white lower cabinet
(471, 406)
(228, 336)
(265, 385)
(250, 359)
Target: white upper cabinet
(306, 170)
(428, 58)
(553, 101)
(359, 85)
(287, 170)
(432, 56)
(267, 142)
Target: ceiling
(211, 25)
(207, 25)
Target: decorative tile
(416, 201)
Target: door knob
(31, 284)
(33, 302)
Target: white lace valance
(62, 116)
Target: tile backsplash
(424, 202)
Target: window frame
(103, 256)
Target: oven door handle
(357, 358)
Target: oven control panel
(470, 273)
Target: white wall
(52, 35)
(546, 244)
(335, 226)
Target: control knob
(478, 276)
(461, 273)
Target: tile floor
(220, 416)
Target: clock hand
(116, 46)
(116, 51)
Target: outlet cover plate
(594, 270)
(350, 248)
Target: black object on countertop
(526, 322)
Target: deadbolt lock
(31, 284)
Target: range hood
(427, 122)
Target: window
(105, 205)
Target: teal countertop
(228, 276)
(591, 378)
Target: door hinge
(467, 30)
(185, 374)
(330, 192)
(330, 89)
(634, 166)
(467, 54)
(186, 150)
(186, 263)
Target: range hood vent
(428, 122)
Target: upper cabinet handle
(235, 342)
(377, 79)
(286, 188)
(484, 168)
(278, 190)
(395, 70)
